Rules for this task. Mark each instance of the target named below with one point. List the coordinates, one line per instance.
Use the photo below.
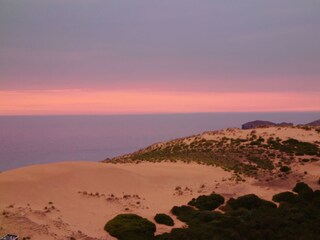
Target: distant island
(262, 123)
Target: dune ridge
(267, 153)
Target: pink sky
(74, 101)
(142, 56)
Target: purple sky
(168, 45)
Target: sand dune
(56, 201)
(76, 199)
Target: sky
(168, 56)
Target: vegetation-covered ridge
(248, 152)
(297, 216)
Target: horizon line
(148, 113)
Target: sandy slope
(283, 133)
(152, 186)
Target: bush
(210, 202)
(301, 187)
(250, 201)
(165, 219)
(130, 227)
(184, 213)
(284, 197)
(303, 190)
(285, 169)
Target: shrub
(130, 227)
(303, 190)
(285, 169)
(250, 201)
(165, 219)
(301, 187)
(210, 202)
(184, 213)
(284, 197)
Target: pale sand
(283, 133)
(30, 190)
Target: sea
(28, 140)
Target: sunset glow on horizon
(73, 102)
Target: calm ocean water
(26, 140)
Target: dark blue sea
(26, 140)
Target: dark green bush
(284, 197)
(285, 169)
(249, 202)
(210, 202)
(165, 219)
(184, 213)
(303, 190)
(130, 227)
(301, 187)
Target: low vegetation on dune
(250, 155)
(296, 217)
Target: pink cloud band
(73, 101)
